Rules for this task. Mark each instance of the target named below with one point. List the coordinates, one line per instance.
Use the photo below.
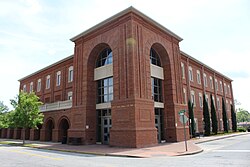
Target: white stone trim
(156, 72)
(103, 105)
(158, 105)
(103, 72)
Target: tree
(213, 117)
(27, 114)
(206, 117)
(191, 117)
(243, 116)
(233, 117)
(224, 116)
(3, 115)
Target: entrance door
(106, 125)
(159, 124)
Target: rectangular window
(31, 87)
(216, 85)
(105, 90)
(190, 73)
(218, 103)
(201, 100)
(156, 89)
(193, 98)
(39, 85)
(198, 77)
(183, 70)
(221, 87)
(205, 80)
(70, 95)
(185, 95)
(225, 88)
(24, 88)
(58, 78)
(211, 82)
(229, 91)
(48, 82)
(207, 99)
(70, 75)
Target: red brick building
(124, 86)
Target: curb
(219, 138)
(191, 153)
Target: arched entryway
(63, 130)
(49, 129)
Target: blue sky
(36, 33)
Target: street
(234, 151)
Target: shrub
(241, 129)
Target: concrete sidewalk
(166, 149)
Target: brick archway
(63, 125)
(49, 126)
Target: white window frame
(70, 95)
(58, 78)
(185, 95)
(70, 74)
(31, 87)
(216, 85)
(48, 82)
(183, 70)
(207, 99)
(205, 79)
(211, 82)
(198, 77)
(225, 87)
(201, 100)
(39, 85)
(24, 88)
(221, 87)
(193, 98)
(190, 74)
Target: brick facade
(130, 35)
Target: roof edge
(129, 9)
(194, 59)
(45, 68)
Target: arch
(105, 57)
(49, 126)
(63, 125)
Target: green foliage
(224, 116)
(206, 117)
(3, 115)
(241, 129)
(191, 117)
(3, 108)
(243, 115)
(27, 113)
(213, 117)
(233, 117)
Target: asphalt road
(233, 152)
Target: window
(105, 90)
(48, 82)
(216, 85)
(31, 87)
(154, 58)
(198, 77)
(205, 79)
(218, 102)
(38, 85)
(207, 99)
(227, 105)
(70, 76)
(221, 88)
(24, 88)
(190, 73)
(193, 97)
(229, 91)
(70, 95)
(185, 95)
(156, 89)
(225, 88)
(58, 78)
(105, 58)
(201, 100)
(211, 82)
(183, 70)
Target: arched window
(105, 58)
(154, 58)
